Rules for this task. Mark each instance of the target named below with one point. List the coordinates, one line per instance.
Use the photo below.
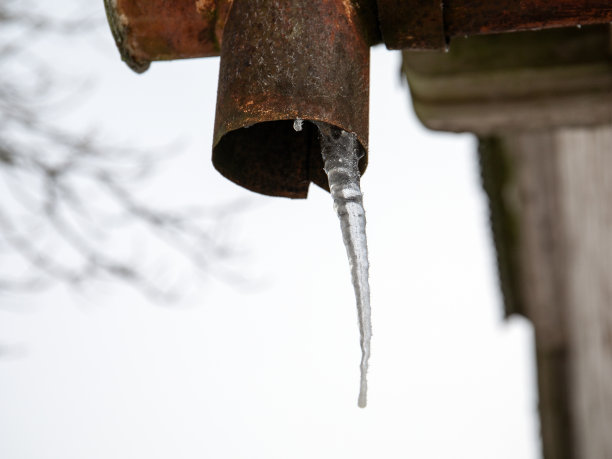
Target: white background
(271, 371)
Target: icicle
(341, 154)
(297, 124)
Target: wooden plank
(585, 169)
(557, 193)
(534, 80)
(530, 246)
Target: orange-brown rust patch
(206, 7)
(275, 67)
(161, 29)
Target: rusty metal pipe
(150, 30)
(476, 17)
(154, 30)
(281, 61)
(412, 24)
(430, 24)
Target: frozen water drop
(341, 153)
(297, 124)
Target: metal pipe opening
(281, 61)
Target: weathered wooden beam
(524, 209)
(585, 170)
(557, 189)
(538, 80)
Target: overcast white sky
(273, 371)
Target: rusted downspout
(305, 59)
(282, 61)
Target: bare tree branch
(51, 228)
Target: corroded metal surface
(412, 24)
(153, 30)
(306, 59)
(430, 24)
(150, 30)
(472, 17)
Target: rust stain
(206, 7)
(412, 24)
(429, 24)
(275, 67)
(152, 30)
(474, 17)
